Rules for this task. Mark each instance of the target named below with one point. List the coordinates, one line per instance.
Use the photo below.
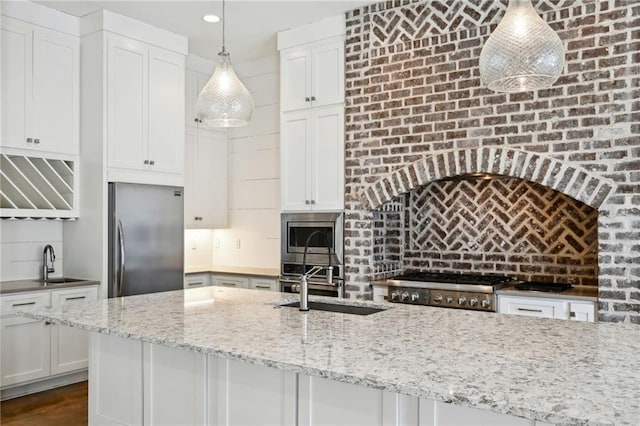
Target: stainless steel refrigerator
(146, 239)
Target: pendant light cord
(224, 50)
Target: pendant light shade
(523, 53)
(224, 101)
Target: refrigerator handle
(121, 241)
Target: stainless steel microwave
(299, 228)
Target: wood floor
(66, 406)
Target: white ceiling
(250, 25)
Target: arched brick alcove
(570, 179)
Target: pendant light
(224, 101)
(523, 53)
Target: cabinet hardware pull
(313, 201)
(530, 310)
(36, 140)
(572, 314)
(29, 140)
(196, 120)
(152, 162)
(263, 286)
(313, 98)
(23, 304)
(307, 202)
(47, 323)
(229, 284)
(146, 161)
(75, 298)
(307, 99)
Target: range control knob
(462, 300)
(405, 296)
(415, 296)
(394, 296)
(473, 301)
(449, 299)
(437, 299)
(486, 303)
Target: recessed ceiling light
(211, 18)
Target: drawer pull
(268, 287)
(75, 298)
(23, 304)
(229, 284)
(530, 310)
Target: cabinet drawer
(15, 303)
(270, 284)
(59, 297)
(224, 281)
(533, 307)
(197, 280)
(582, 311)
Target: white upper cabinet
(312, 116)
(312, 150)
(206, 186)
(40, 88)
(145, 107)
(312, 75)
(195, 83)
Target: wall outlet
(238, 243)
(216, 242)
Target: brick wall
(416, 112)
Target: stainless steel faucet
(304, 280)
(45, 267)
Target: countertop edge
(233, 270)
(369, 382)
(40, 287)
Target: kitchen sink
(61, 280)
(332, 307)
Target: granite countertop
(562, 372)
(235, 270)
(19, 286)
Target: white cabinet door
(195, 81)
(174, 386)
(437, 413)
(166, 111)
(56, 91)
(295, 86)
(327, 158)
(245, 394)
(295, 134)
(327, 83)
(70, 346)
(312, 153)
(313, 75)
(582, 311)
(16, 79)
(127, 99)
(533, 307)
(40, 88)
(25, 350)
(206, 179)
(115, 381)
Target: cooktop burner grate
(443, 277)
(542, 286)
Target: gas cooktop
(462, 291)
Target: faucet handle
(329, 274)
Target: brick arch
(572, 180)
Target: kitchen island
(230, 356)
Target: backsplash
(502, 226)
(22, 244)
(416, 112)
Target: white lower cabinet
(33, 350)
(132, 383)
(547, 308)
(197, 280)
(230, 281)
(269, 284)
